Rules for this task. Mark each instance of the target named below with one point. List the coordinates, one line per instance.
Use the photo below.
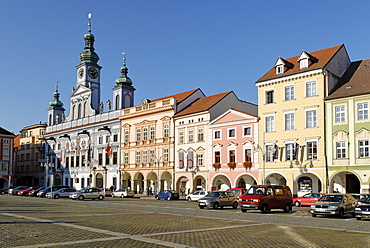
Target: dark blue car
(167, 195)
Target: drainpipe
(325, 73)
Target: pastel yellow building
(292, 125)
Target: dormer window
(280, 66)
(305, 60)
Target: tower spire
(124, 80)
(88, 55)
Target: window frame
(289, 93)
(311, 88)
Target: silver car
(216, 199)
(61, 193)
(88, 193)
(334, 204)
(196, 195)
(123, 193)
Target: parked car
(5, 190)
(266, 197)
(334, 204)
(360, 197)
(238, 191)
(123, 193)
(216, 199)
(363, 210)
(196, 195)
(43, 192)
(60, 193)
(35, 191)
(26, 191)
(15, 190)
(88, 193)
(168, 195)
(307, 199)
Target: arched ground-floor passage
(245, 181)
(3, 183)
(275, 179)
(138, 186)
(345, 182)
(165, 181)
(185, 186)
(305, 183)
(220, 182)
(126, 181)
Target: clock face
(81, 73)
(93, 73)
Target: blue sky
(171, 46)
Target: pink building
(234, 159)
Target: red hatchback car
(34, 192)
(26, 191)
(307, 199)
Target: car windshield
(83, 190)
(332, 198)
(256, 191)
(236, 191)
(214, 194)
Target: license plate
(202, 203)
(246, 205)
(320, 209)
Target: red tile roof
(179, 97)
(355, 80)
(322, 58)
(202, 104)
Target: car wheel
(100, 198)
(235, 205)
(81, 197)
(297, 204)
(189, 199)
(112, 195)
(122, 196)
(264, 209)
(56, 196)
(244, 210)
(157, 197)
(286, 208)
(216, 205)
(313, 215)
(341, 213)
(2, 192)
(358, 218)
(168, 198)
(201, 207)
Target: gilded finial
(124, 58)
(89, 24)
(56, 86)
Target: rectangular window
(67, 162)
(289, 93)
(100, 158)
(151, 152)
(311, 119)
(269, 96)
(248, 155)
(138, 157)
(138, 134)
(115, 138)
(72, 161)
(289, 121)
(82, 182)
(190, 136)
(83, 159)
(232, 156)
(78, 160)
(115, 157)
(126, 136)
(107, 139)
(200, 135)
(6, 152)
(217, 157)
(340, 114)
(363, 111)
(165, 155)
(341, 149)
(125, 158)
(231, 133)
(270, 124)
(145, 157)
(289, 152)
(145, 133)
(312, 150)
(247, 131)
(200, 161)
(166, 130)
(363, 148)
(152, 132)
(270, 153)
(181, 137)
(311, 89)
(100, 141)
(217, 134)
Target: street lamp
(158, 162)
(258, 148)
(47, 167)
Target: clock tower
(85, 97)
